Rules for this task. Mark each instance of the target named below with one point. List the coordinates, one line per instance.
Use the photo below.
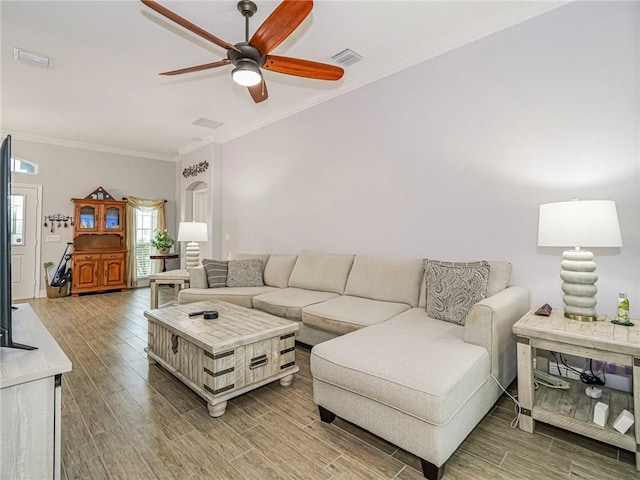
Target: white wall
(66, 173)
(212, 178)
(450, 159)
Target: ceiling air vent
(347, 57)
(32, 58)
(206, 123)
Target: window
(17, 219)
(20, 165)
(146, 225)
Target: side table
(571, 409)
(163, 258)
(178, 278)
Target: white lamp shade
(588, 223)
(192, 232)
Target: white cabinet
(30, 401)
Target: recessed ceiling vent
(347, 57)
(32, 58)
(206, 123)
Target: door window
(17, 219)
(20, 165)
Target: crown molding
(191, 147)
(89, 146)
(481, 29)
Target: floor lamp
(591, 223)
(192, 232)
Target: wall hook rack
(61, 220)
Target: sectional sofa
(380, 358)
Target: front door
(25, 205)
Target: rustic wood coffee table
(222, 358)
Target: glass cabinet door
(112, 218)
(87, 218)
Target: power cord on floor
(537, 382)
(518, 407)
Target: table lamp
(590, 223)
(192, 232)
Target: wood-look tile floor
(126, 419)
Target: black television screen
(6, 313)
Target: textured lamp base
(579, 276)
(192, 255)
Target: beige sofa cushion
(278, 270)
(346, 313)
(237, 295)
(427, 370)
(323, 272)
(385, 279)
(289, 302)
(498, 276)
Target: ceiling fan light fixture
(247, 73)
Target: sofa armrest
(489, 324)
(198, 277)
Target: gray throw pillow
(216, 272)
(452, 288)
(245, 273)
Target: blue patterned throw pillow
(245, 273)
(453, 288)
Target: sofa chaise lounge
(379, 359)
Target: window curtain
(133, 204)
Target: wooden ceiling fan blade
(259, 92)
(280, 24)
(303, 68)
(192, 27)
(198, 68)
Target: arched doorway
(197, 209)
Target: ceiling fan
(249, 56)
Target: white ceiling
(104, 91)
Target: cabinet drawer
(112, 256)
(85, 256)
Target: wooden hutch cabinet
(99, 251)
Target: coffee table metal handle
(174, 343)
(257, 362)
